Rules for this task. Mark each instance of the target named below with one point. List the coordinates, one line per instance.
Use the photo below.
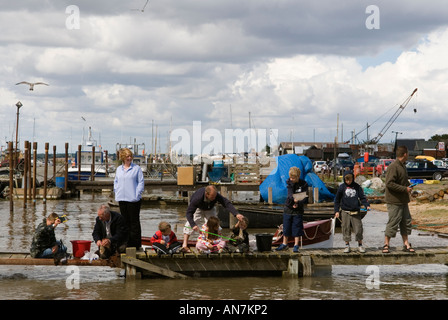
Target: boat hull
(272, 217)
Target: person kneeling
(110, 232)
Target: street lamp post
(395, 144)
(18, 105)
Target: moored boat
(318, 234)
(82, 168)
(272, 216)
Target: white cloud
(292, 64)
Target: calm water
(421, 282)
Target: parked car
(425, 169)
(439, 163)
(382, 165)
(318, 165)
(367, 168)
(341, 164)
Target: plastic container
(264, 241)
(60, 182)
(79, 247)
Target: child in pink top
(210, 237)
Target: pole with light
(395, 144)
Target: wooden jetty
(150, 184)
(284, 263)
(24, 258)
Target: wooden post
(66, 167)
(316, 195)
(293, 268)
(11, 177)
(34, 171)
(79, 162)
(131, 271)
(306, 266)
(25, 174)
(107, 163)
(54, 164)
(92, 170)
(45, 173)
(310, 195)
(270, 195)
(28, 159)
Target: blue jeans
(47, 253)
(293, 225)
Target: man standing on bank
(397, 199)
(129, 185)
(202, 207)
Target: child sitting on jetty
(241, 236)
(164, 241)
(210, 239)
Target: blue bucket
(60, 182)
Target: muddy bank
(430, 216)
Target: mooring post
(11, 177)
(66, 167)
(54, 164)
(45, 173)
(79, 163)
(306, 265)
(131, 271)
(34, 171)
(92, 172)
(25, 174)
(293, 268)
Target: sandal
(408, 249)
(386, 249)
(186, 250)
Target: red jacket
(157, 237)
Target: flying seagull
(32, 84)
(142, 10)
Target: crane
(393, 118)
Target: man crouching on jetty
(110, 232)
(202, 207)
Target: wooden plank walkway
(287, 263)
(150, 185)
(284, 262)
(24, 258)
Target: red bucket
(79, 247)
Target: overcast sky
(295, 66)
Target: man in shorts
(397, 200)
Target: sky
(296, 70)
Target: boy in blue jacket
(296, 199)
(347, 206)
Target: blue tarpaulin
(278, 177)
